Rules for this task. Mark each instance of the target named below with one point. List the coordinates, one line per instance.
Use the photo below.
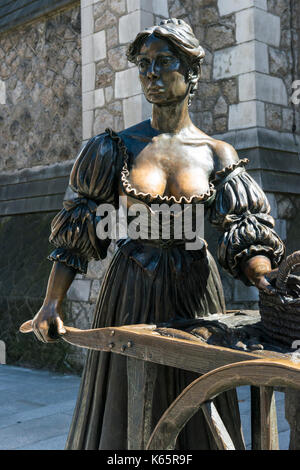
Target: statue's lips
(155, 89)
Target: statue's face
(162, 73)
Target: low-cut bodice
(236, 205)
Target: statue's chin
(161, 101)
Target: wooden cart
(228, 351)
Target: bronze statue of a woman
(165, 159)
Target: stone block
(107, 20)
(136, 109)
(67, 72)
(247, 86)
(95, 289)
(2, 352)
(279, 63)
(226, 7)
(87, 21)
(112, 37)
(88, 77)
(86, 3)
(262, 87)
(133, 5)
(87, 49)
(79, 290)
(246, 114)
(109, 94)
(87, 124)
(274, 116)
(219, 36)
(82, 314)
(88, 101)
(117, 58)
(158, 7)
(221, 107)
(287, 118)
(2, 92)
(176, 9)
(99, 98)
(130, 25)
(99, 46)
(257, 24)
(127, 83)
(261, 57)
(103, 119)
(243, 58)
(118, 6)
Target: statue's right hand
(47, 324)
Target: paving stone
(54, 443)
(36, 408)
(29, 432)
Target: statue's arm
(47, 323)
(73, 229)
(250, 248)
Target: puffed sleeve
(242, 212)
(94, 180)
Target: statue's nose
(152, 71)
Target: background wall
(40, 131)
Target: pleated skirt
(166, 284)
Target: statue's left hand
(259, 271)
(263, 284)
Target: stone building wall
(40, 69)
(210, 105)
(226, 31)
(40, 131)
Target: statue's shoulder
(225, 153)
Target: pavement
(36, 409)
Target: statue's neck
(171, 118)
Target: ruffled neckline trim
(151, 198)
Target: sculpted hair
(183, 42)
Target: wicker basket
(280, 313)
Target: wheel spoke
(264, 431)
(269, 431)
(217, 427)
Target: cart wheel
(261, 375)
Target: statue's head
(169, 59)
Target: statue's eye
(142, 64)
(166, 60)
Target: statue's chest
(169, 166)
